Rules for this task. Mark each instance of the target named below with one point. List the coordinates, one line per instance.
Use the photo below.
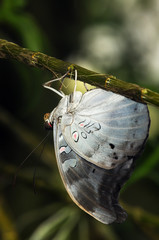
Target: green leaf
(13, 13)
(67, 226)
(49, 227)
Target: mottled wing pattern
(106, 128)
(93, 189)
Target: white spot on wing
(69, 163)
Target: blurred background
(118, 37)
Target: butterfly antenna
(35, 169)
(22, 163)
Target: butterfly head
(48, 124)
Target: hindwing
(93, 189)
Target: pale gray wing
(106, 128)
(93, 189)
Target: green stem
(58, 67)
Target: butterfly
(97, 137)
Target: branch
(58, 67)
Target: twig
(58, 67)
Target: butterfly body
(97, 137)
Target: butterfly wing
(106, 128)
(93, 189)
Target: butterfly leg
(48, 84)
(56, 79)
(85, 85)
(60, 93)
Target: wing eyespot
(84, 135)
(75, 136)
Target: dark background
(115, 37)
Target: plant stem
(58, 67)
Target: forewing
(106, 128)
(93, 189)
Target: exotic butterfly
(97, 137)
